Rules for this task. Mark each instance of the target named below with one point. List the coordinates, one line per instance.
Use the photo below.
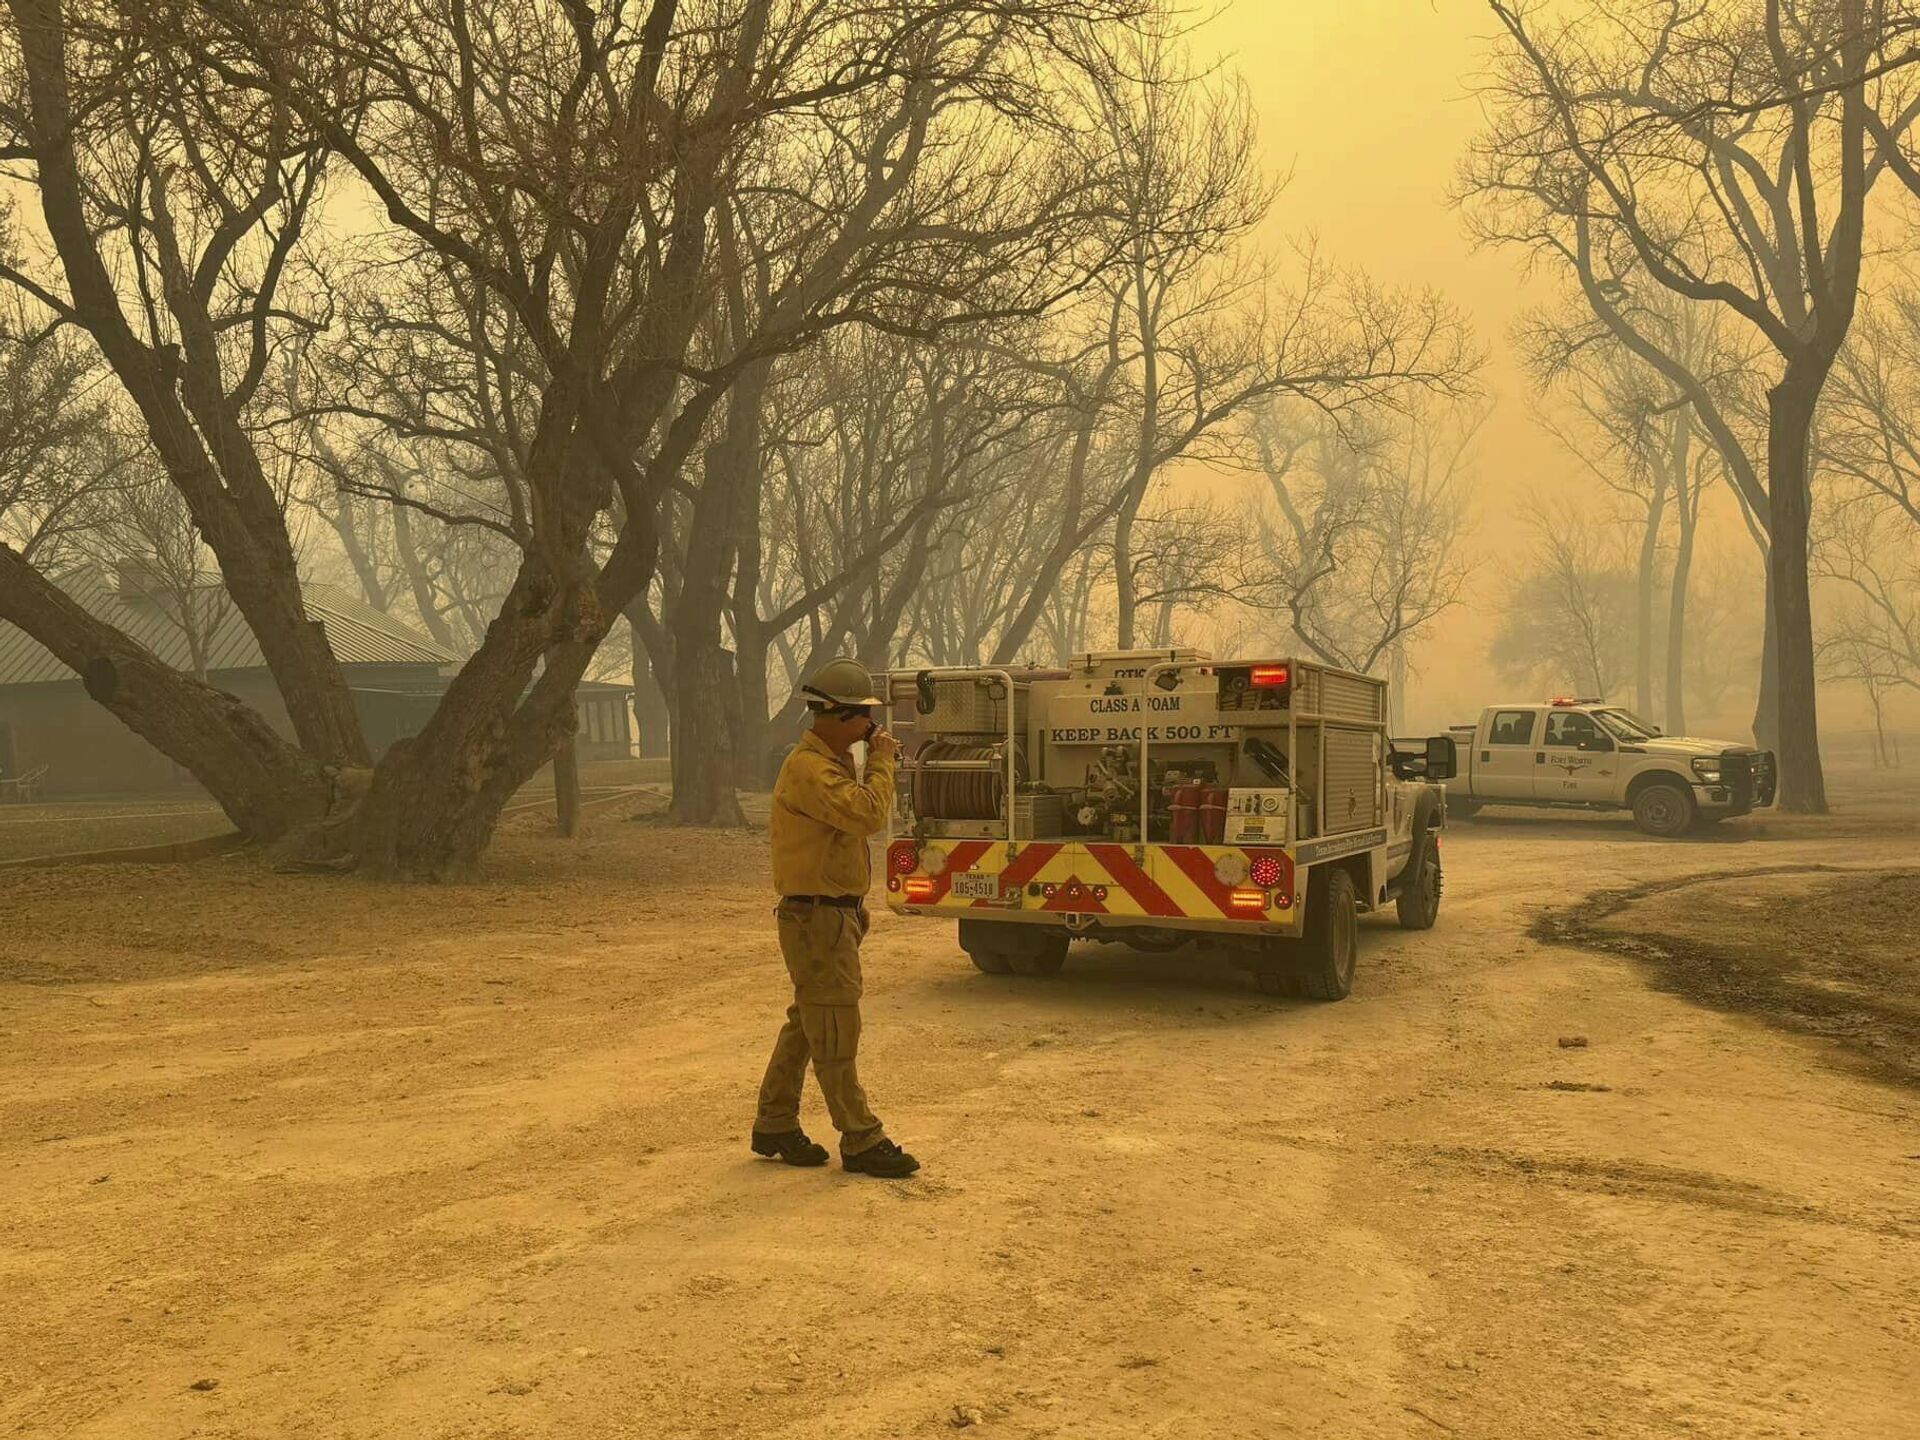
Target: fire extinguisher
(1186, 813)
(1213, 815)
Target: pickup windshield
(1625, 725)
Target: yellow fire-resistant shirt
(822, 817)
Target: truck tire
(1418, 903)
(988, 957)
(1663, 808)
(1045, 959)
(1280, 982)
(1330, 944)
(1273, 962)
(1013, 949)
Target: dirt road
(295, 1157)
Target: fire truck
(1163, 799)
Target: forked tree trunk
(1790, 409)
(436, 797)
(266, 785)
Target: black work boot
(792, 1146)
(885, 1160)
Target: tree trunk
(1676, 688)
(1649, 563)
(437, 796)
(1124, 585)
(1766, 705)
(1790, 408)
(649, 696)
(705, 692)
(566, 786)
(653, 680)
(266, 785)
(706, 755)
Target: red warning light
(1270, 675)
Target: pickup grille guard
(1751, 775)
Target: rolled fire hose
(963, 794)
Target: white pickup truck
(1589, 754)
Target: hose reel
(964, 779)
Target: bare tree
(141, 533)
(570, 170)
(1362, 542)
(1567, 621)
(174, 205)
(58, 451)
(1632, 430)
(1204, 333)
(1870, 551)
(1603, 141)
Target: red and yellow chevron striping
(1158, 882)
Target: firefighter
(822, 815)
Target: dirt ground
(308, 1157)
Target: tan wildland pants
(821, 944)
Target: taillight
(1248, 899)
(919, 890)
(1266, 871)
(903, 857)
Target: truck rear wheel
(1013, 949)
(1277, 981)
(1046, 960)
(1330, 944)
(1664, 808)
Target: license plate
(976, 885)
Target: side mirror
(1442, 758)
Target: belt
(845, 902)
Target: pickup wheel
(1330, 944)
(1664, 808)
(1419, 899)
